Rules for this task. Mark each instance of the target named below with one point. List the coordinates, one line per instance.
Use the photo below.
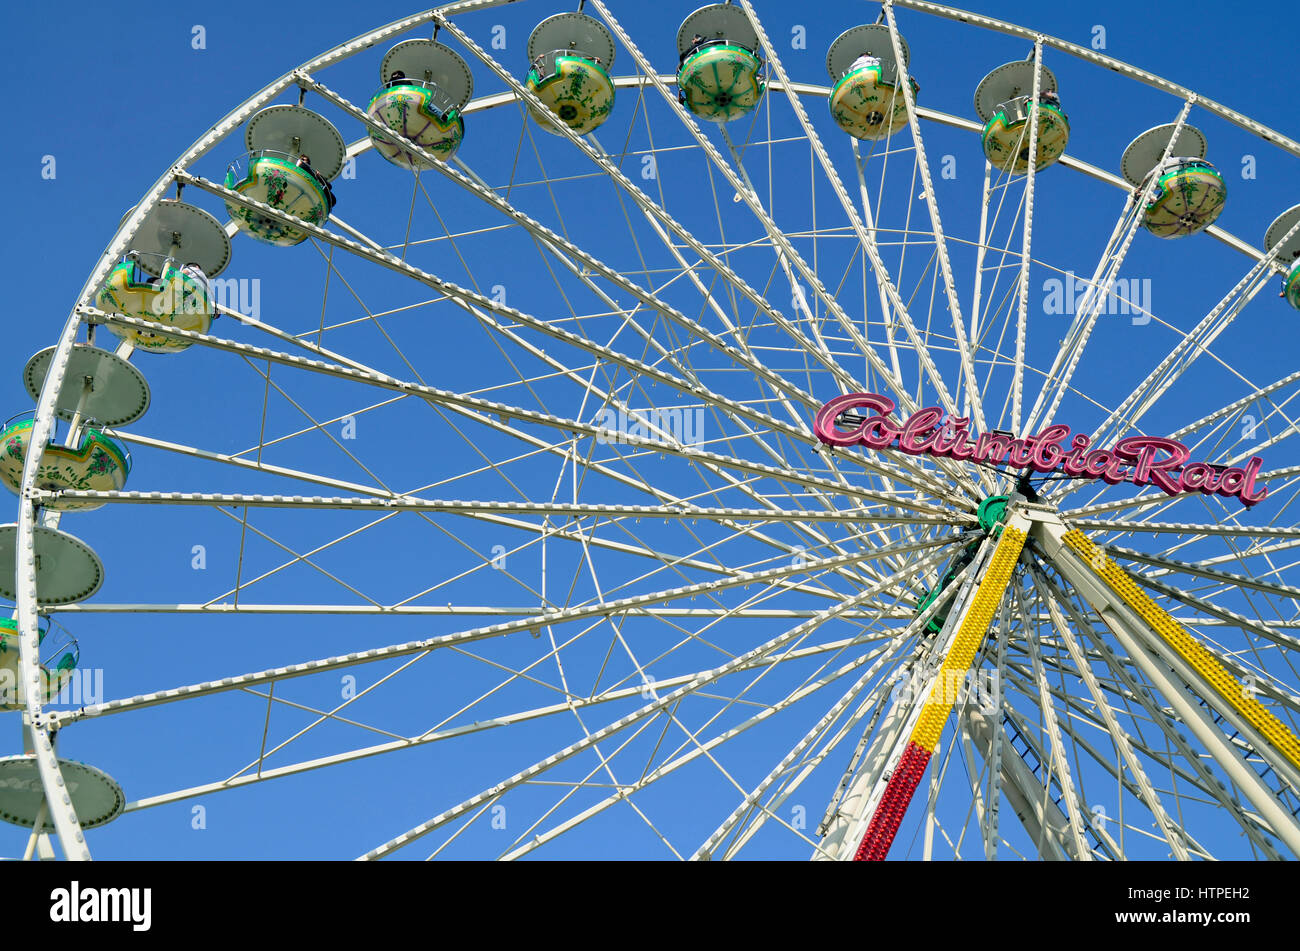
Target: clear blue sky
(115, 93)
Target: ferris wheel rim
(364, 41)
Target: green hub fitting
(992, 511)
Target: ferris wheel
(643, 444)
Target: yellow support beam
(1187, 647)
(943, 692)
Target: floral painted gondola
(426, 85)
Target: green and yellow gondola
(53, 677)
(1006, 136)
(276, 179)
(176, 300)
(97, 463)
(420, 112)
(575, 89)
(867, 106)
(1189, 195)
(720, 82)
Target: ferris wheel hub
(992, 511)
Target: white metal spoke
(1031, 177)
(1099, 290)
(1059, 764)
(791, 637)
(1120, 738)
(950, 288)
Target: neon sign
(1142, 460)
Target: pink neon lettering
(1115, 472)
(1248, 494)
(826, 430)
(919, 432)
(1097, 462)
(991, 447)
(1142, 460)
(1198, 475)
(1074, 459)
(1142, 450)
(1022, 452)
(951, 435)
(963, 448)
(1048, 453)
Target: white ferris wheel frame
(43, 725)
